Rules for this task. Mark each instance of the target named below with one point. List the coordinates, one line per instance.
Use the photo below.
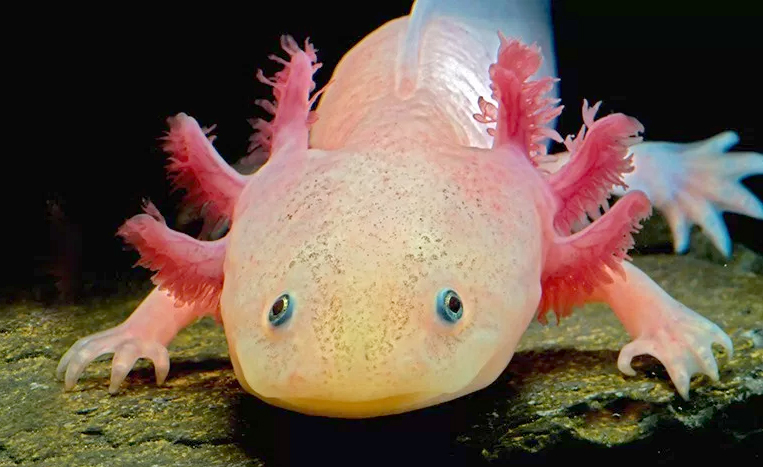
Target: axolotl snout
(398, 241)
(385, 296)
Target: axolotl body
(399, 240)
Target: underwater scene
(441, 232)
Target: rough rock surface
(561, 396)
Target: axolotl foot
(586, 261)
(682, 341)
(660, 326)
(145, 334)
(127, 349)
(693, 183)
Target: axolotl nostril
(399, 239)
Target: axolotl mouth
(356, 409)
(354, 400)
(347, 401)
(370, 396)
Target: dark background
(97, 85)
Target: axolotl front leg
(189, 272)
(658, 324)
(662, 327)
(581, 268)
(583, 264)
(145, 334)
(588, 266)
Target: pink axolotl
(397, 243)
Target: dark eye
(449, 305)
(281, 310)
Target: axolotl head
(364, 284)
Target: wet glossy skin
(396, 264)
(363, 244)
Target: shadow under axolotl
(431, 434)
(453, 433)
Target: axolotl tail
(433, 64)
(528, 21)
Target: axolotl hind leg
(693, 183)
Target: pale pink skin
(399, 196)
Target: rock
(566, 392)
(561, 394)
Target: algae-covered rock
(566, 391)
(561, 395)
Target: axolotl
(400, 238)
